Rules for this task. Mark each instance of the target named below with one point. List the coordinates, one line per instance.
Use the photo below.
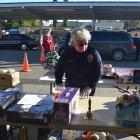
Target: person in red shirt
(48, 42)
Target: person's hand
(86, 91)
(57, 90)
(59, 87)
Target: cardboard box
(66, 105)
(129, 114)
(9, 80)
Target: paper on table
(100, 81)
(47, 78)
(51, 78)
(30, 100)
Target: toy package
(124, 75)
(72, 134)
(66, 105)
(32, 109)
(128, 107)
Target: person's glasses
(82, 44)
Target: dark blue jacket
(81, 69)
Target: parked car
(114, 44)
(18, 41)
(60, 46)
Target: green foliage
(20, 23)
(52, 59)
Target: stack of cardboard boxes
(8, 78)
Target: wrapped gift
(124, 75)
(32, 109)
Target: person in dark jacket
(137, 53)
(81, 64)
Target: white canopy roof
(101, 10)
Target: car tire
(23, 47)
(118, 55)
(61, 50)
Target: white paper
(26, 106)
(50, 78)
(30, 99)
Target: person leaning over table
(81, 64)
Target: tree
(9, 24)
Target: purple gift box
(66, 105)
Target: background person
(137, 53)
(67, 40)
(48, 42)
(81, 64)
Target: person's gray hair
(79, 35)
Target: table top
(103, 111)
(101, 83)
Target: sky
(9, 1)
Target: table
(103, 83)
(103, 110)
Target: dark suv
(114, 44)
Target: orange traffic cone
(42, 56)
(25, 66)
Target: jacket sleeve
(98, 72)
(60, 69)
